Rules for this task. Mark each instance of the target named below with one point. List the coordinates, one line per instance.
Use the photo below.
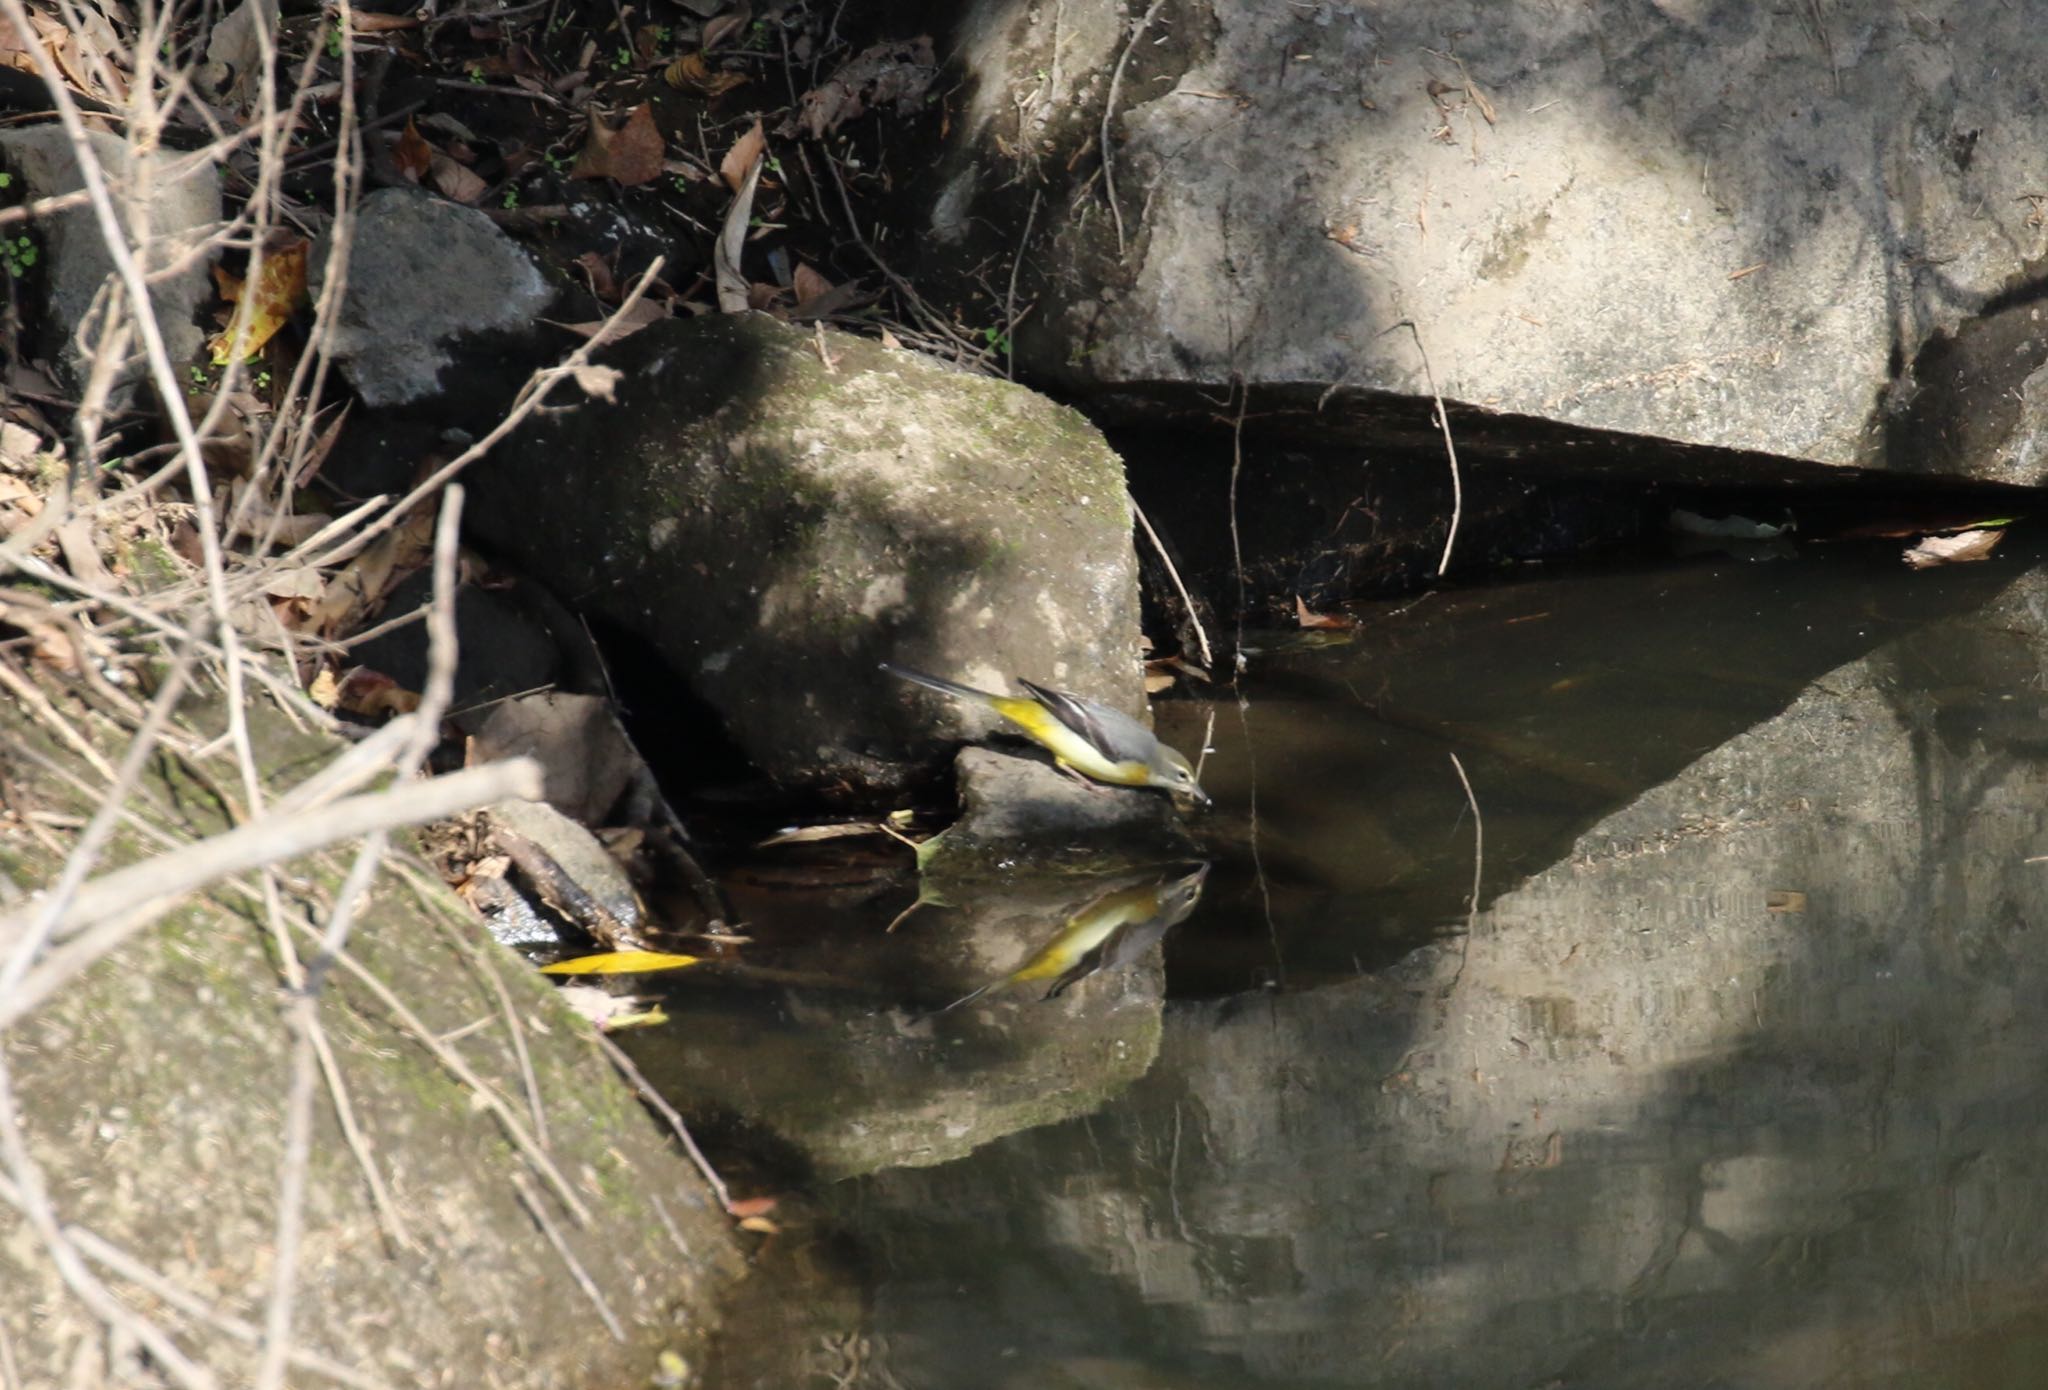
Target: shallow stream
(1737, 1077)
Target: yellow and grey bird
(1112, 932)
(1085, 736)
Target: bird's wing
(1110, 732)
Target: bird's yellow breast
(1066, 745)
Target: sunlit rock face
(1718, 224)
(1745, 1089)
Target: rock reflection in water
(1747, 1088)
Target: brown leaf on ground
(691, 73)
(624, 325)
(357, 590)
(808, 284)
(888, 74)
(631, 155)
(1958, 549)
(598, 274)
(364, 22)
(740, 158)
(413, 155)
(725, 26)
(371, 694)
(460, 184)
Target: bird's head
(1176, 774)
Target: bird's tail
(939, 683)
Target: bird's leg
(1090, 783)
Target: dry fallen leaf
(808, 284)
(598, 274)
(642, 313)
(260, 314)
(413, 155)
(460, 184)
(744, 1207)
(630, 155)
(1958, 549)
(1310, 619)
(740, 158)
(325, 691)
(371, 694)
(690, 73)
(733, 292)
(620, 963)
(888, 74)
(717, 31)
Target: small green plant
(6, 180)
(511, 198)
(557, 162)
(334, 43)
(198, 376)
(662, 33)
(773, 166)
(263, 381)
(679, 184)
(622, 60)
(997, 340)
(757, 36)
(476, 75)
(19, 253)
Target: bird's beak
(1201, 798)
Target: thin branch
(1116, 80)
(1010, 299)
(534, 1208)
(1187, 599)
(1443, 421)
(617, 1057)
(1478, 871)
(110, 909)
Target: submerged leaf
(1953, 550)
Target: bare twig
(1478, 871)
(113, 907)
(1443, 421)
(534, 1208)
(1116, 81)
(111, 1257)
(1010, 299)
(624, 1065)
(1187, 599)
(529, 399)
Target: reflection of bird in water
(1110, 933)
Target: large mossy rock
(777, 511)
(153, 1093)
(1767, 229)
